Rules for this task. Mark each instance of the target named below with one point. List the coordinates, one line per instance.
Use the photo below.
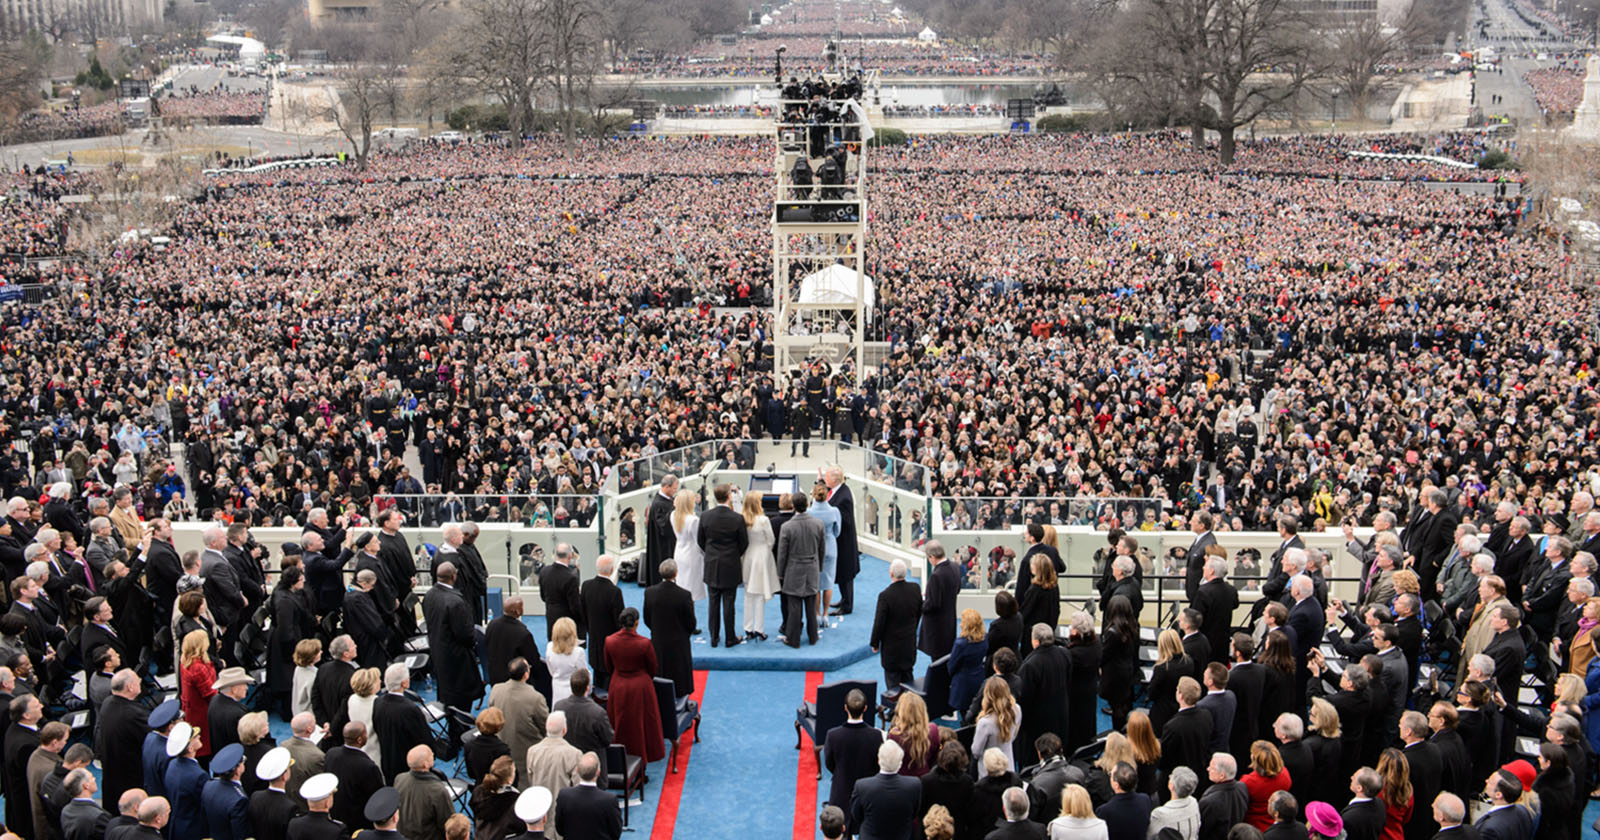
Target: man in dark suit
(507, 638)
(1123, 581)
(1046, 676)
(1225, 801)
(799, 561)
(669, 614)
(164, 567)
(226, 808)
(1195, 645)
(1350, 701)
(1456, 776)
(602, 603)
(938, 632)
(660, 540)
(359, 777)
(1014, 824)
(1364, 816)
(851, 752)
(453, 649)
(886, 806)
(21, 739)
(1034, 535)
(1195, 559)
(1248, 682)
(324, 573)
(227, 706)
(1307, 621)
(98, 633)
(1186, 737)
(243, 554)
(1127, 812)
(849, 563)
(330, 688)
(559, 589)
(1450, 812)
(1429, 540)
(1427, 772)
(223, 590)
(119, 736)
(1543, 599)
(588, 727)
(1276, 586)
(1507, 650)
(1288, 732)
(363, 620)
(1216, 600)
(723, 537)
(82, 818)
(585, 811)
(398, 722)
(1505, 819)
(894, 629)
(1222, 705)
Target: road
(204, 77)
(1494, 24)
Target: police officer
(317, 825)
(226, 807)
(383, 809)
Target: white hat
(320, 786)
(533, 804)
(273, 764)
(178, 739)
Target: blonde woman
(196, 677)
(1172, 664)
(1118, 750)
(1324, 741)
(1077, 820)
(364, 691)
(690, 558)
(937, 824)
(760, 568)
(564, 654)
(998, 721)
(915, 735)
(253, 730)
(967, 658)
(307, 653)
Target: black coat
(119, 743)
(1508, 653)
(558, 588)
(1046, 684)
(660, 541)
(383, 591)
(1460, 832)
(395, 553)
(452, 646)
(163, 570)
(588, 813)
(938, 632)
(1126, 814)
(505, 639)
(849, 564)
(1119, 666)
(400, 724)
(1003, 633)
(885, 807)
(1025, 567)
(669, 615)
(1248, 682)
(723, 537)
(359, 778)
(953, 790)
(1128, 588)
(1427, 772)
(1083, 692)
(894, 627)
(481, 752)
(325, 580)
(1364, 820)
(20, 742)
(270, 813)
(364, 622)
(330, 693)
(602, 604)
(1560, 816)
(1040, 606)
(1222, 807)
(1194, 565)
(1163, 688)
(1301, 763)
(292, 621)
(94, 636)
(1456, 764)
(222, 721)
(1186, 739)
(1216, 601)
(851, 754)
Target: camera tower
(821, 296)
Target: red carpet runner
(672, 787)
(805, 780)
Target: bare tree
(359, 96)
(572, 50)
(1355, 53)
(1246, 38)
(498, 47)
(22, 68)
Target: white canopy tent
(836, 284)
(927, 35)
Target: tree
(572, 49)
(1260, 55)
(497, 48)
(359, 96)
(1355, 53)
(22, 68)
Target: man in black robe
(669, 613)
(660, 539)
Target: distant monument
(1586, 123)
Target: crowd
(964, 109)
(220, 107)
(68, 123)
(1557, 90)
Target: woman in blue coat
(831, 524)
(966, 660)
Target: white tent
(835, 284)
(766, 20)
(249, 48)
(927, 35)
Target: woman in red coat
(631, 705)
(195, 685)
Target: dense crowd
(68, 123)
(218, 106)
(1557, 90)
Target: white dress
(691, 559)
(361, 710)
(760, 568)
(561, 666)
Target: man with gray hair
(1288, 730)
(552, 763)
(59, 513)
(330, 689)
(102, 549)
(1225, 801)
(938, 633)
(1307, 621)
(1216, 599)
(602, 604)
(1429, 536)
(894, 627)
(222, 588)
(585, 805)
(82, 818)
(399, 722)
(560, 591)
(1382, 521)
(1180, 813)
(363, 620)
(660, 540)
(888, 804)
(1450, 812)
(324, 574)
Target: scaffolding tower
(821, 296)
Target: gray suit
(800, 551)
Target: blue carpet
(740, 781)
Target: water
(905, 95)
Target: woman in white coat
(760, 568)
(688, 554)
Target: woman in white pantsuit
(760, 569)
(691, 558)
